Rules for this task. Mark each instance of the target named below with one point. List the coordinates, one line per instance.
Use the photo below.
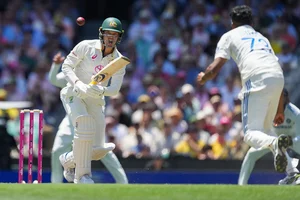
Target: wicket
(30, 146)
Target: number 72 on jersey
(258, 44)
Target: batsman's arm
(115, 83)
(73, 60)
(57, 79)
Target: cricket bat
(109, 70)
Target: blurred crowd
(160, 110)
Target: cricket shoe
(297, 180)
(293, 179)
(85, 179)
(281, 144)
(69, 167)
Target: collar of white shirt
(98, 45)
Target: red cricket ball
(80, 21)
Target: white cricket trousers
(261, 95)
(252, 156)
(76, 107)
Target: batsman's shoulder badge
(71, 99)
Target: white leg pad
(85, 128)
(100, 152)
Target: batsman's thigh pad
(74, 106)
(85, 128)
(100, 152)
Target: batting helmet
(111, 24)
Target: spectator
(191, 145)
(121, 108)
(169, 139)
(230, 92)
(200, 124)
(192, 104)
(115, 130)
(179, 125)
(221, 146)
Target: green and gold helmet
(111, 24)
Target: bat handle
(93, 82)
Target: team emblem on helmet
(113, 24)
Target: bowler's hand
(58, 59)
(279, 119)
(200, 79)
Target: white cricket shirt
(251, 51)
(85, 60)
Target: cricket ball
(80, 21)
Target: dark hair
(241, 15)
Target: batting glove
(96, 91)
(80, 89)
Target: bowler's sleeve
(223, 47)
(56, 78)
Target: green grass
(146, 192)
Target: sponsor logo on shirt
(98, 68)
(94, 56)
(71, 99)
(283, 127)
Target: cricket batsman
(289, 127)
(64, 138)
(85, 103)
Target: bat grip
(93, 82)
